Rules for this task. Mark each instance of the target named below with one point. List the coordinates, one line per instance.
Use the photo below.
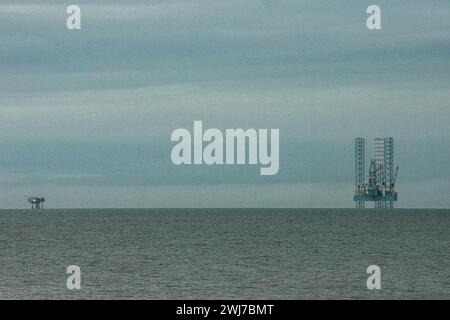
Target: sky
(86, 115)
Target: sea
(225, 253)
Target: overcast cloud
(88, 114)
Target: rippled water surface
(224, 253)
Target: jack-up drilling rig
(380, 187)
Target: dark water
(236, 254)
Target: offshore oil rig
(380, 187)
(36, 202)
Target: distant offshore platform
(380, 187)
(36, 202)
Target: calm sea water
(225, 254)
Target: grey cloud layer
(139, 69)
